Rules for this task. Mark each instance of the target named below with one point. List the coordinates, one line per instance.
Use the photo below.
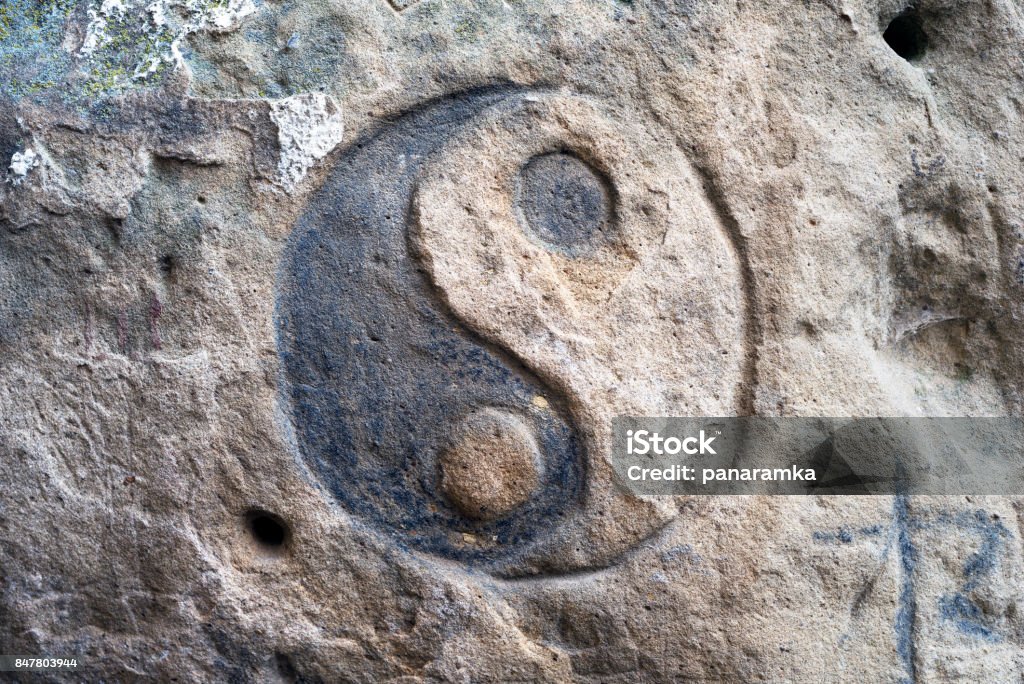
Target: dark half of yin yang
(378, 373)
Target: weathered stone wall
(314, 317)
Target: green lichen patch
(85, 51)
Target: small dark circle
(267, 529)
(905, 35)
(566, 203)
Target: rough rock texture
(260, 260)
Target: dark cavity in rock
(905, 35)
(267, 529)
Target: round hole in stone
(268, 529)
(566, 202)
(906, 36)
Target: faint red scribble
(122, 332)
(155, 309)
(87, 332)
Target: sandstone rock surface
(261, 260)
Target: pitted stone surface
(260, 260)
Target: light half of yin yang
(477, 292)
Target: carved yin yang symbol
(419, 415)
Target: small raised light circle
(491, 467)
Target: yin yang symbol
(456, 426)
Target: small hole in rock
(906, 36)
(267, 529)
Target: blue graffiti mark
(898, 538)
(844, 535)
(965, 614)
(906, 611)
(958, 607)
(376, 370)
(683, 552)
